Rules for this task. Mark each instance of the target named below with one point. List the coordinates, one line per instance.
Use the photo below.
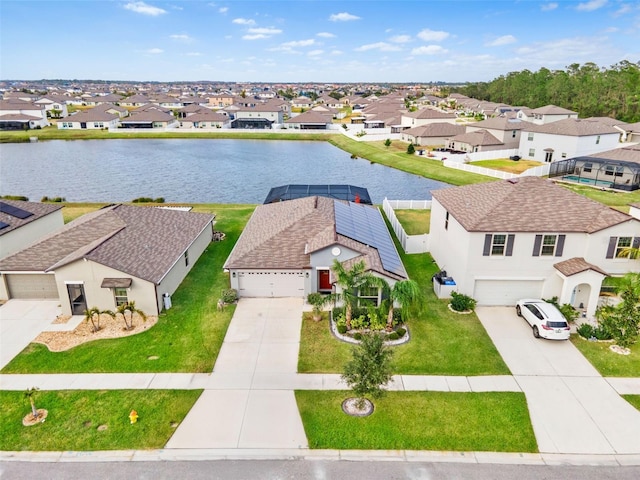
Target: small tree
(387, 142)
(405, 293)
(369, 368)
(93, 315)
(352, 281)
(129, 310)
(411, 149)
(623, 320)
(318, 301)
(30, 394)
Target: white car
(545, 319)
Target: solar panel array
(14, 211)
(3, 225)
(365, 225)
(340, 192)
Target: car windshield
(556, 324)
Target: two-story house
(529, 238)
(506, 130)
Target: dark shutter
(536, 246)
(487, 245)
(510, 239)
(636, 242)
(611, 250)
(560, 245)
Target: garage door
(36, 286)
(506, 292)
(271, 284)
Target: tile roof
(39, 210)
(143, 242)
(573, 127)
(576, 265)
(282, 235)
(526, 204)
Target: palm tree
(129, 309)
(405, 293)
(630, 252)
(93, 315)
(30, 393)
(351, 281)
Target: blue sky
(310, 41)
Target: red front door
(324, 282)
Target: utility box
(443, 285)
(167, 301)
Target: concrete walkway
(572, 408)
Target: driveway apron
(572, 408)
(234, 411)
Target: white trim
(74, 282)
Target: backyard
(415, 221)
(507, 165)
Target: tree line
(588, 89)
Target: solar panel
(14, 211)
(3, 225)
(366, 225)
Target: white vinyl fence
(539, 171)
(475, 156)
(410, 243)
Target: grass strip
(608, 363)
(633, 400)
(187, 338)
(454, 421)
(77, 419)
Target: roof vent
(512, 180)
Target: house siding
(27, 234)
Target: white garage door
(506, 292)
(271, 284)
(28, 287)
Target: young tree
(411, 149)
(318, 301)
(351, 281)
(30, 394)
(369, 368)
(406, 294)
(129, 310)
(387, 142)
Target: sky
(326, 41)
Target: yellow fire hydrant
(133, 417)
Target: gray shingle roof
(501, 123)
(573, 127)
(576, 265)
(478, 138)
(628, 153)
(525, 204)
(429, 113)
(439, 129)
(143, 242)
(39, 210)
(552, 110)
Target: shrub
(585, 330)
(393, 336)
(411, 149)
(401, 332)
(230, 295)
(15, 197)
(357, 336)
(567, 310)
(461, 302)
(342, 329)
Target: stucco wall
(29, 233)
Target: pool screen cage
(600, 172)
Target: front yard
(608, 363)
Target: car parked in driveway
(545, 319)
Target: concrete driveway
(261, 347)
(572, 408)
(21, 321)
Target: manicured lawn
(71, 211)
(420, 421)
(608, 363)
(618, 200)
(318, 347)
(187, 338)
(75, 415)
(414, 222)
(506, 165)
(633, 400)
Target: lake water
(191, 170)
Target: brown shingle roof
(478, 138)
(501, 123)
(552, 110)
(39, 210)
(439, 129)
(573, 127)
(429, 113)
(576, 265)
(628, 153)
(143, 242)
(525, 204)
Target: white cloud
(264, 31)
(503, 40)
(193, 54)
(432, 35)
(336, 52)
(343, 17)
(243, 21)
(223, 9)
(591, 5)
(325, 35)
(299, 43)
(564, 51)
(547, 7)
(315, 53)
(611, 30)
(181, 38)
(623, 10)
(143, 8)
(258, 36)
(429, 50)
(382, 46)
(400, 39)
(154, 51)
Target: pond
(191, 170)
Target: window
(368, 296)
(498, 244)
(548, 245)
(532, 152)
(608, 170)
(120, 295)
(513, 134)
(530, 137)
(623, 242)
(186, 258)
(597, 139)
(446, 221)
(619, 171)
(587, 167)
(564, 154)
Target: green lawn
(497, 422)
(319, 350)
(618, 200)
(75, 415)
(506, 165)
(187, 338)
(633, 400)
(608, 363)
(414, 222)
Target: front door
(548, 157)
(76, 298)
(324, 281)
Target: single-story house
(478, 141)
(529, 238)
(90, 119)
(426, 115)
(432, 133)
(117, 254)
(310, 120)
(150, 118)
(22, 223)
(204, 118)
(287, 248)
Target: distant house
(476, 141)
(310, 120)
(432, 134)
(505, 129)
(302, 102)
(204, 118)
(22, 223)
(55, 105)
(546, 114)
(117, 254)
(90, 120)
(262, 116)
(221, 100)
(20, 115)
(529, 238)
(425, 116)
(567, 138)
(135, 101)
(151, 118)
